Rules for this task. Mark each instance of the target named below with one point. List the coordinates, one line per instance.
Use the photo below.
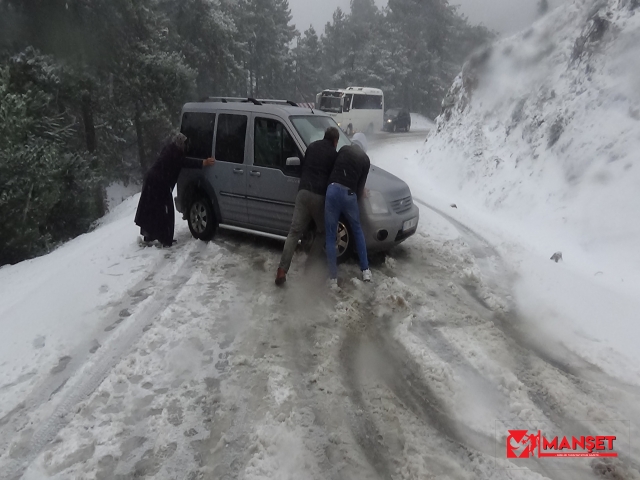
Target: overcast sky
(504, 16)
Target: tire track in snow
(510, 323)
(415, 399)
(528, 356)
(82, 381)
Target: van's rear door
(229, 174)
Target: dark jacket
(166, 168)
(155, 214)
(317, 165)
(351, 169)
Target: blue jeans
(338, 201)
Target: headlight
(377, 203)
(389, 121)
(339, 124)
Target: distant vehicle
(355, 109)
(397, 119)
(258, 146)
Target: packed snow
(125, 362)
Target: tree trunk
(87, 119)
(91, 142)
(141, 153)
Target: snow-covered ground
(189, 362)
(127, 362)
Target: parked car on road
(396, 119)
(258, 146)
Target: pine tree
(436, 41)
(266, 33)
(205, 32)
(46, 187)
(309, 75)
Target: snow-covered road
(195, 366)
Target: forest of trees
(90, 89)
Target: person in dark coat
(316, 167)
(156, 215)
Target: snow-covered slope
(545, 126)
(537, 145)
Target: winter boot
(281, 277)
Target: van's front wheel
(202, 219)
(344, 241)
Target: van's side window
(230, 138)
(273, 145)
(198, 128)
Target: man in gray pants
(316, 167)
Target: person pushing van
(346, 186)
(156, 215)
(316, 167)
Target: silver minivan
(258, 146)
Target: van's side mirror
(293, 162)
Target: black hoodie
(351, 169)
(317, 166)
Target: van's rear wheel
(202, 219)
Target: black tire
(202, 218)
(408, 127)
(349, 130)
(344, 241)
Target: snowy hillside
(537, 146)
(545, 126)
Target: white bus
(355, 109)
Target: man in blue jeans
(346, 186)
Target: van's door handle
(238, 170)
(255, 174)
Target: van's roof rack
(278, 102)
(260, 101)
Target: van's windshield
(312, 128)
